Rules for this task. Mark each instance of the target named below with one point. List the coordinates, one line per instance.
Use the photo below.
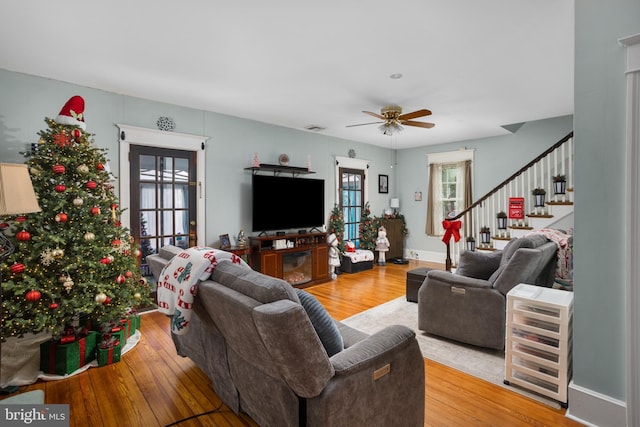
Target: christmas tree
(336, 225)
(74, 257)
(368, 229)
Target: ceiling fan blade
(364, 124)
(414, 115)
(375, 115)
(419, 124)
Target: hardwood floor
(152, 386)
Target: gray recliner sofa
(264, 346)
(470, 305)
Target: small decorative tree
(368, 229)
(336, 225)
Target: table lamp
(395, 204)
(16, 197)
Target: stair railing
(556, 161)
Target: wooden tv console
(302, 261)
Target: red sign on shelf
(516, 207)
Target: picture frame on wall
(383, 184)
(225, 242)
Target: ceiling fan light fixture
(390, 128)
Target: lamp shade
(16, 190)
(395, 203)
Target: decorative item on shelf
(471, 243)
(559, 184)
(485, 235)
(241, 240)
(283, 160)
(502, 220)
(225, 242)
(352, 153)
(166, 124)
(539, 196)
(256, 162)
(308, 162)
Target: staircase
(514, 197)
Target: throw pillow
(323, 323)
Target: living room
(601, 366)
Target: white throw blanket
(179, 279)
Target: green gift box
(135, 323)
(61, 359)
(107, 356)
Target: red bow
(452, 228)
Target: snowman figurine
(334, 255)
(382, 245)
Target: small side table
(243, 252)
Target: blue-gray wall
(600, 132)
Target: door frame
(128, 135)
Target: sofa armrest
(439, 277)
(372, 351)
(379, 381)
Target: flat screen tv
(286, 203)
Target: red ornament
(115, 242)
(107, 301)
(114, 206)
(91, 185)
(61, 217)
(95, 210)
(105, 260)
(76, 134)
(33, 295)
(53, 305)
(128, 274)
(60, 188)
(120, 279)
(59, 169)
(17, 268)
(100, 166)
(23, 236)
(21, 218)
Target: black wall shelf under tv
(276, 169)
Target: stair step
(566, 203)
(501, 238)
(539, 215)
(520, 227)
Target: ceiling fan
(393, 119)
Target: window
(449, 188)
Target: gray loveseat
(470, 305)
(253, 336)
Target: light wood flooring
(152, 386)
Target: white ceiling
(478, 65)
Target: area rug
(485, 364)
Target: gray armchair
(470, 305)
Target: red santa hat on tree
(72, 113)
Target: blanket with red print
(179, 279)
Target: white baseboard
(430, 256)
(595, 409)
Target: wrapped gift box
(109, 355)
(135, 323)
(61, 359)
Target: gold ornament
(78, 201)
(83, 168)
(89, 236)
